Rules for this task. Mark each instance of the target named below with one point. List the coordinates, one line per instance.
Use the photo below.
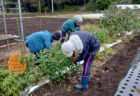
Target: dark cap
(56, 36)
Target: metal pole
(84, 3)
(21, 26)
(4, 21)
(52, 6)
(40, 15)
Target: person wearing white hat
(86, 45)
(71, 25)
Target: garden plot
(53, 62)
(32, 89)
(108, 28)
(36, 72)
(111, 72)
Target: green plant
(55, 62)
(136, 1)
(91, 7)
(103, 4)
(118, 21)
(67, 8)
(45, 9)
(3, 73)
(101, 33)
(52, 66)
(125, 2)
(106, 55)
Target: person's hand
(74, 55)
(53, 44)
(74, 61)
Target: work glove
(74, 61)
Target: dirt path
(104, 82)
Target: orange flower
(3, 89)
(96, 27)
(99, 54)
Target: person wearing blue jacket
(41, 40)
(86, 45)
(70, 26)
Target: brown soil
(105, 79)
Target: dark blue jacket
(39, 40)
(90, 44)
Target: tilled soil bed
(105, 79)
(32, 24)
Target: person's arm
(83, 54)
(48, 44)
(63, 36)
(52, 39)
(79, 28)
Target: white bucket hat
(76, 41)
(74, 44)
(67, 48)
(78, 19)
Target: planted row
(52, 63)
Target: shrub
(91, 7)
(103, 4)
(125, 2)
(118, 21)
(101, 33)
(136, 1)
(45, 9)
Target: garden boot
(80, 78)
(84, 83)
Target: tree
(103, 4)
(32, 5)
(10, 3)
(136, 1)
